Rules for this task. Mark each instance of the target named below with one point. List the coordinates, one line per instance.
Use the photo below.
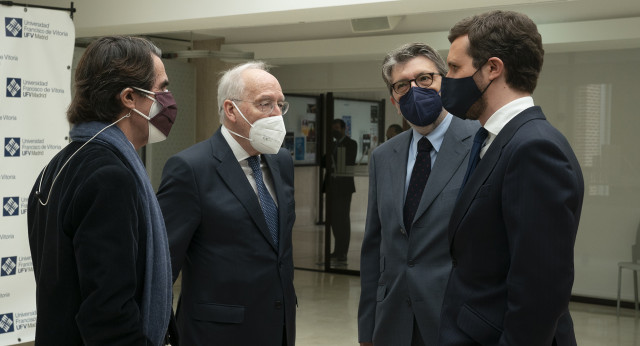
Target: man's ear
(128, 98)
(496, 67)
(229, 111)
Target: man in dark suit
(342, 186)
(229, 208)
(405, 259)
(514, 225)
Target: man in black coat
(97, 238)
(340, 188)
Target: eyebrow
(416, 75)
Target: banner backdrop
(36, 53)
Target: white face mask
(266, 134)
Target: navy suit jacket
(512, 235)
(237, 287)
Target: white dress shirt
(242, 156)
(501, 117)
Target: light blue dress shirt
(435, 137)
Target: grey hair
(407, 52)
(231, 84)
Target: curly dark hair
(108, 66)
(510, 36)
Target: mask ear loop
(38, 194)
(245, 119)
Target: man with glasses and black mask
(229, 208)
(414, 179)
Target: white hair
(231, 84)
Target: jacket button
(411, 263)
(454, 262)
(403, 231)
(278, 304)
(409, 301)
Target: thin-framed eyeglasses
(267, 106)
(423, 80)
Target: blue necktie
(269, 208)
(419, 176)
(474, 156)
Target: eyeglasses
(267, 106)
(423, 80)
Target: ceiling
(286, 25)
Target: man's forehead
(259, 82)
(419, 64)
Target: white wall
(590, 97)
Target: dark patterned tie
(419, 176)
(474, 156)
(269, 208)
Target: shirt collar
(436, 136)
(502, 116)
(236, 148)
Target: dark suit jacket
(512, 234)
(405, 275)
(342, 185)
(88, 246)
(237, 288)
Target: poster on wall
(36, 52)
(301, 122)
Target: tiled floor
(328, 309)
(308, 247)
(328, 303)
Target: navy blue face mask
(459, 94)
(421, 106)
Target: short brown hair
(108, 66)
(510, 36)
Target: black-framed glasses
(267, 106)
(423, 80)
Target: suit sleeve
(351, 152)
(105, 245)
(541, 205)
(179, 200)
(369, 262)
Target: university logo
(6, 323)
(8, 266)
(13, 27)
(10, 206)
(14, 85)
(11, 146)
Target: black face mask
(459, 94)
(421, 106)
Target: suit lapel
(486, 166)
(234, 177)
(399, 162)
(453, 152)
